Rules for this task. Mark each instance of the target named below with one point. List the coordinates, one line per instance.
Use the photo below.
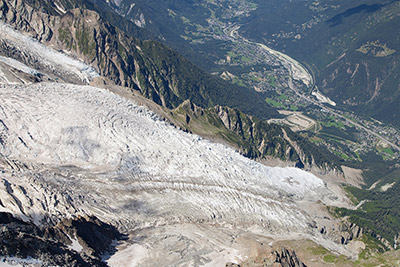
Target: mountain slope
(70, 150)
(158, 72)
(352, 47)
(256, 44)
(255, 138)
(102, 155)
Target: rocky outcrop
(94, 235)
(253, 137)
(283, 258)
(158, 72)
(53, 245)
(349, 232)
(162, 76)
(396, 242)
(26, 19)
(260, 139)
(288, 258)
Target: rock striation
(282, 258)
(52, 245)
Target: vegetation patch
(274, 103)
(65, 36)
(319, 250)
(272, 81)
(330, 258)
(332, 122)
(379, 215)
(341, 154)
(376, 48)
(389, 151)
(283, 97)
(352, 198)
(316, 140)
(86, 41)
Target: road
(302, 74)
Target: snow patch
(75, 245)
(63, 11)
(117, 2)
(140, 22)
(130, 8)
(374, 185)
(131, 256)
(18, 262)
(9, 264)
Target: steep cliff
(158, 72)
(73, 242)
(253, 137)
(282, 258)
(163, 76)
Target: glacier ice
(131, 161)
(44, 58)
(68, 149)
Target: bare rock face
(284, 258)
(342, 233)
(49, 245)
(94, 235)
(288, 259)
(26, 19)
(151, 69)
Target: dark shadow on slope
(53, 245)
(338, 19)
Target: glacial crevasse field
(68, 150)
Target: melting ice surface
(83, 150)
(135, 164)
(68, 150)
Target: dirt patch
(353, 177)
(297, 121)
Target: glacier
(31, 51)
(70, 149)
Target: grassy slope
(253, 137)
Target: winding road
(300, 72)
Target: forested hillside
(351, 46)
(157, 71)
